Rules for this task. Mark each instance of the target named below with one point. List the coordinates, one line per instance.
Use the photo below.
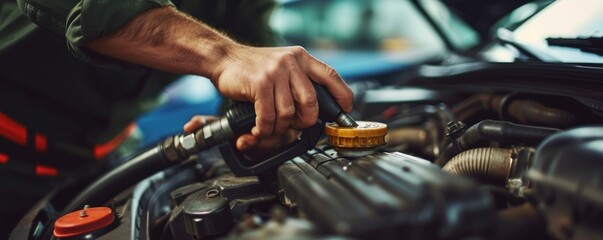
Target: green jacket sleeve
(81, 21)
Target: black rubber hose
(531, 112)
(501, 131)
(476, 104)
(498, 131)
(491, 165)
(120, 178)
(523, 110)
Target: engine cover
(384, 195)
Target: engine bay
(494, 161)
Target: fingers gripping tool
(238, 120)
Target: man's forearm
(166, 39)
(277, 80)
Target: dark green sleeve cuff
(92, 19)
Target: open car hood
(482, 15)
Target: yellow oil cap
(356, 141)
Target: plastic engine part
(384, 196)
(567, 180)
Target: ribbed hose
(486, 164)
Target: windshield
(564, 19)
(460, 35)
(359, 37)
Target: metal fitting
(188, 143)
(518, 182)
(345, 120)
(170, 150)
(455, 129)
(212, 193)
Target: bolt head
(189, 143)
(170, 150)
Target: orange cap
(83, 221)
(365, 135)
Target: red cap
(83, 221)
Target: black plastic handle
(328, 107)
(242, 166)
(241, 118)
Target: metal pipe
(486, 164)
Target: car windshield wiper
(585, 44)
(507, 37)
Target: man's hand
(276, 80)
